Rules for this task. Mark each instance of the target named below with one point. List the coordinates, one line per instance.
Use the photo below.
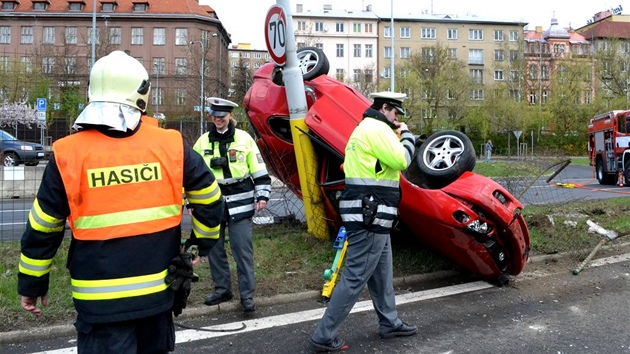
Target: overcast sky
(244, 19)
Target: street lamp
(157, 66)
(201, 92)
(219, 86)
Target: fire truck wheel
(603, 177)
(626, 176)
(441, 159)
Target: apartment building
(243, 62)
(175, 41)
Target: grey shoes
(400, 331)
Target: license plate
(40, 154)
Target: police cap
(220, 107)
(394, 99)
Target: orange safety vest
(119, 187)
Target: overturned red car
(468, 218)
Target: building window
(108, 7)
(26, 35)
(356, 27)
(452, 53)
(71, 35)
(499, 55)
(49, 35)
(356, 75)
(70, 66)
(339, 27)
(533, 72)
(476, 76)
(245, 55)
(368, 50)
(514, 55)
(76, 6)
(498, 36)
(405, 32)
(475, 56)
(5, 35)
(428, 33)
(317, 45)
(498, 75)
(137, 36)
(96, 35)
(339, 74)
(428, 55)
(387, 72)
(48, 65)
(181, 36)
(475, 34)
(115, 35)
(405, 52)
(513, 36)
(319, 27)
(159, 36)
(257, 56)
(387, 53)
(39, 5)
(339, 50)
(140, 7)
(476, 95)
(301, 26)
(387, 32)
(159, 65)
(180, 97)
(451, 33)
(9, 5)
(181, 66)
(357, 51)
(532, 97)
(26, 65)
(369, 28)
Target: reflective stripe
(228, 181)
(127, 217)
(34, 267)
(206, 196)
(241, 209)
(260, 173)
(202, 231)
(40, 221)
(350, 203)
(387, 209)
(263, 190)
(108, 289)
(239, 196)
(351, 217)
(383, 222)
(372, 182)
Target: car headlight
(26, 148)
(480, 227)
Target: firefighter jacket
(236, 162)
(374, 157)
(121, 195)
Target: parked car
(16, 152)
(468, 218)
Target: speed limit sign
(276, 34)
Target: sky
(244, 19)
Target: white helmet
(120, 78)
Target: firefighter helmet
(120, 78)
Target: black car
(15, 152)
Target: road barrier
(20, 181)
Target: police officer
(378, 149)
(235, 159)
(118, 183)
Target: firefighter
(378, 149)
(235, 160)
(118, 183)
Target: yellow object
(330, 275)
(565, 185)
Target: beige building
(243, 61)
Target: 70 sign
(276, 34)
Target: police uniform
(374, 157)
(234, 158)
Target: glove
(179, 277)
(218, 162)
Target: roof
(608, 29)
(124, 6)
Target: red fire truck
(609, 146)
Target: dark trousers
(150, 335)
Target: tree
(14, 113)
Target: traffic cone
(621, 179)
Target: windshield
(6, 136)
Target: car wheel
(603, 177)
(10, 160)
(441, 159)
(312, 62)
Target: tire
(312, 62)
(626, 176)
(603, 177)
(10, 159)
(441, 159)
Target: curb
(45, 333)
